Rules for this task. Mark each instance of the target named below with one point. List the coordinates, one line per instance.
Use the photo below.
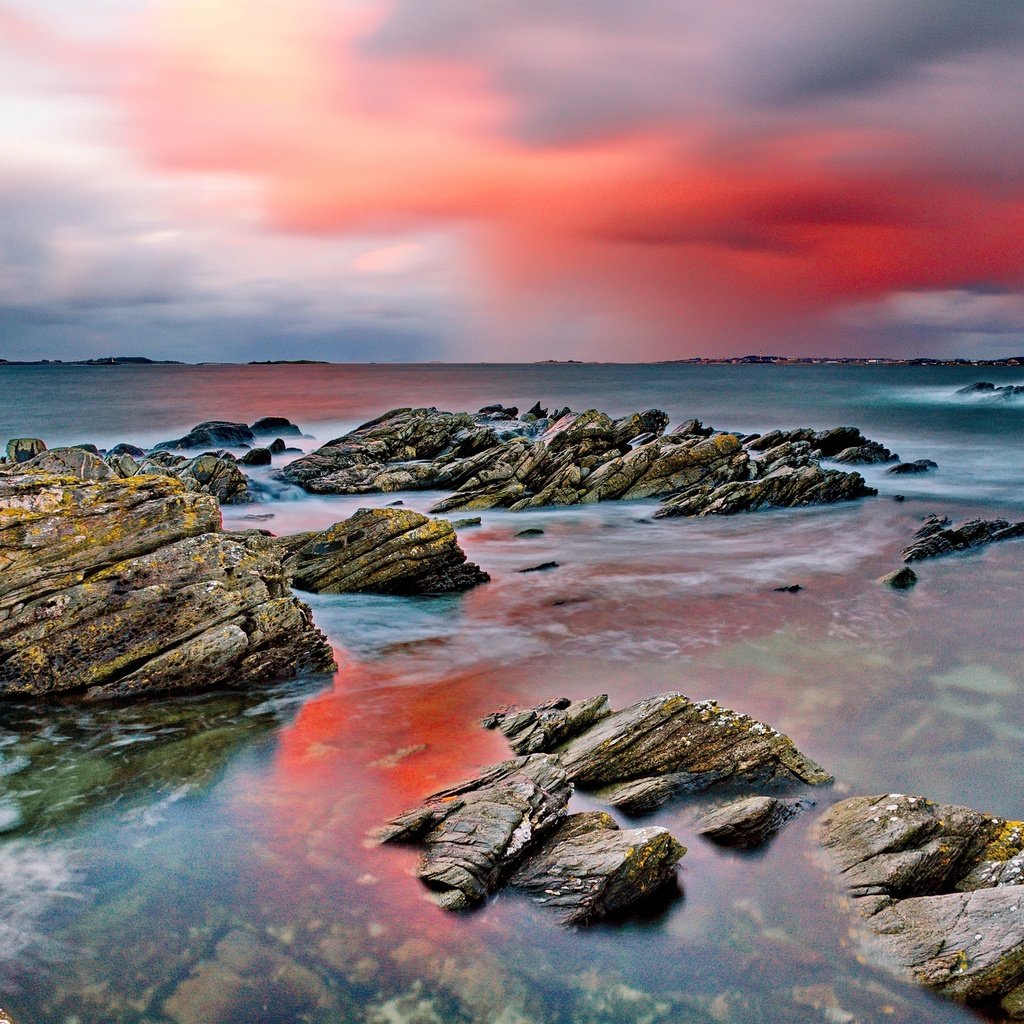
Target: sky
(391, 180)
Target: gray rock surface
(21, 449)
(900, 579)
(938, 536)
(749, 821)
(210, 434)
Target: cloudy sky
(511, 179)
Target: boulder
(124, 587)
(589, 868)
(938, 536)
(21, 449)
(210, 434)
(277, 446)
(383, 551)
(476, 833)
(74, 462)
(279, 426)
(917, 466)
(980, 387)
(257, 457)
(661, 747)
(900, 579)
(210, 474)
(750, 821)
(127, 449)
(938, 885)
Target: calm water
(207, 861)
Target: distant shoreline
(752, 360)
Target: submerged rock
(21, 449)
(750, 821)
(210, 434)
(383, 551)
(917, 466)
(590, 868)
(489, 461)
(125, 587)
(939, 887)
(667, 745)
(900, 579)
(939, 537)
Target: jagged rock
(127, 449)
(900, 579)
(219, 477)
(989, 390)
(545, 726)
(75, 462)
(384, 551)
(543, 567)
(590, 868)
(917, 466)
(128, 587)
(667, 745)
(256, 457)
(476, 833)
(939, 537)
(123, 465)
(939, 887)
(981, 386)
(21, 449)
(865, 454)
(210, 434)
(532, 532)
(750, 821)
(277, 446)
(271, 425)
(828, 443)
(465, 524)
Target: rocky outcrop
(258, 457)
(658, 748)
(382, 551)
(275, 426)
(123, 587)
(73, 462)
(210, 434)
(938, 536)
(205, 474)
(21, 449)
(938, 885)
(910, 468)
(989, 390)
(750, 821)
(491, 460)
(840, 444)
(590, 869)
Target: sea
(210, 859)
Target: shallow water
(207, 860)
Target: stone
(383, 551)
(900, 579)
(640, 757)
(21, 449)
(465, 524)
(531, 532)
(750, 821)
(127, 449)
(209, 474)
(121, 588)
(543, 567)
(280, 426)
(980, 387)
(939, 537)
(74, 462)
(590, 869)
(475, 834)
(545, 726)
(788, 588)
(256, 457)
(210, 434)
(277, 446)
(917, 466)
(939, 887)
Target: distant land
(694, 361)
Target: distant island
(99, 361)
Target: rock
(74, 462)
(899, 497)
(465, 524)
(21, 449)
(865, 454)
(123, 465)
(383, 551)
(211, 434)
(789, 588)
(917, 466)
(647, 753)
(532, 532)
(209, 474)
(749, 822)
(989, 390)
(128, 587)
(828, 444)
(500, 412)
(590, 868)
(545, 726)
(91, 448)
(256, 457)
(271, 425)
(939, 537)
(543, 567)
(981, 386)
(476, 833)
(127, 449)
(900, 579)
(939, 886)
(277, 446)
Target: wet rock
(827, 444)
(939, 537)
(126, 587)
(268, 426)
(900, 579)
(500, 411)
(210, 434)
(749, 822)
(980, 387)
(545, 726)
(476, 834)
(277, 446)
(74, 462)
(866, 454)
(543, 567)
(899, 497)
(917, 466)
(590, 868)
(256, 457)
(21, 449)
(209, 474)
(939, 886)
(384, 551)
(127, 449)
(664, 746)
(532, 532)
(789, 588)
(465, 524)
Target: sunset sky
(496, 180)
